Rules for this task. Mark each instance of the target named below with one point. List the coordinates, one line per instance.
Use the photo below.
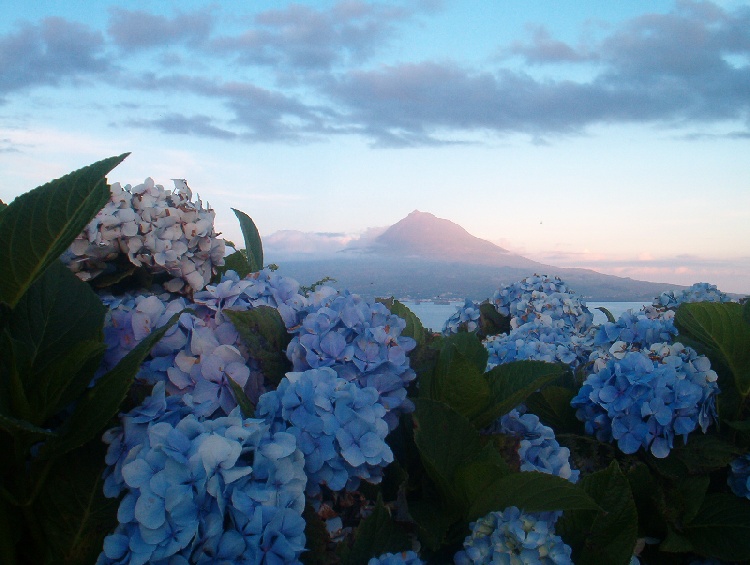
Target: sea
(433, 315)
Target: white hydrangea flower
(161, 230)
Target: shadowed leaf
(253, 245)
(38, 226)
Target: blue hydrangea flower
(201, 354)
(538, 449)
(699, 292)
(359, 340)
(547, 300)
(512, 536)
(227, 488)
(465, 318)
(645, 398)
(638, 329)
(739, 476)
(339, 425)
(403, 558)
(539, 342)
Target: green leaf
(52, 321)
(459, 380)
(552, 405)
(433, 521)
(534, 492)
(73, 512)
(742, 426)
(246, 406)
(67, 379)
(263, 331)
(675, 543)
(15, 425)
(605, 536)
(9, 533)
(721, 528)
(316, 539)
(414, 327)
(721, 328)
(253, 245)
(446, 441)
(15, 360)
(607, 313)
(685, 497)
(237, 262)
(375, 535)
(38, 226)
(746, 311)
(511, 383)
(492, 322)
(706, 453)
(102, 401)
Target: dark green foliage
(721, 528)
(264, 333)
(52, 509)
(607, 535)
(376, 534)
(721, 329)
(607, 313)
(492, 322)
(460, 380)
(253, 246)
(38, 226)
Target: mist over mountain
(422, 256)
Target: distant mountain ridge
(423, 256)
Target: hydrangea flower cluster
(539, 342)
(645, 398)
(638, 329)
(227, 489)
(545, 299)
(739, 476)
(512, 536)
(538, 449)
(339, 425)
(361, 341)
(465, 318)
(264, 288)
(699, 292)
(403, 558)
(203, 350)
(161, 230)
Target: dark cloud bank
(689, 67)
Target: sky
(607, 135)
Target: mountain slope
(423, 256)
(423, 235)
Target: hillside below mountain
(423, 256)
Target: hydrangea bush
(248, 419)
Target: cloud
(730, 274)
(136, 29)
(685, 69)
(183, 125)
(7, 145)
(544, 49)
(258, 114)
(293, 243)
(49, 52)
(672, 69)
(305, 38)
